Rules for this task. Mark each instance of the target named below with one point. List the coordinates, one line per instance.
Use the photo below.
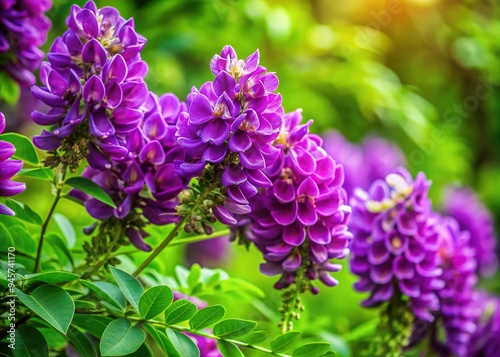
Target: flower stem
(59, 187)
(173, 233)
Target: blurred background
(423, 74)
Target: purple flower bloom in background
(210, 253)
(229, 127)
(23, 29)
(365, 163)
(8, 168)
(94, 80)
(396, 244)
(459, 309)
(144, 180)
(473, 216)
(486, 340)
(300, 223)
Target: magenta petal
(6, 210)
(403, 269)
(319, 253)
(11, 188)
(294, 234)
(307, 214)
(93, 90)
(287, 214)
(233, 175)
(223, 215)
(410, 287)
(283, 191)
(320, 234)
(116, 69)
(292, 263)
(214, 154)
(9, 168)
(303, 161)
(258, 178)
(200, 110)
(137, 239)
(153, 153)
(239, 141)
(215, 132)
(252, 158)
(98, 210)
(134, 94)
(99, 124)
(94, 53)
(381, 274)
(6, 149)
(234, 192)
(308, 188)
(329, 203)
(114, 95)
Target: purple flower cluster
(486, 340)
(23, 29)
(300, 222)
(365, 163)
(94, 80)
(474, 217)
(396, 244)
(144, 180)
(229, 127)
(459, 309)
(8, 168)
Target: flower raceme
(94, 84)
(23, 29)
(228, 130)
(396, 243)
(300, 222)
(8, 168)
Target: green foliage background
(400, 69)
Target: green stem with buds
(59, 187)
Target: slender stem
(59, 187)
(195, 239)
(108, 254)
(292, 305)
(172, 234)
(208, 335)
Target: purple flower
(473, 216)
(94, 81)
(210, 253)
(486, 340)
(23, 29)
(365, 163)
(8, 168)
(229, 127)
(300, 222)
(143, 183)
(396, 243)
(459, 309)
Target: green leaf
(81, 304)
(7, 241)
(160, 338)
(314, 349)
(91, 188)
(228, 349)
(93, 324)
(286, 341)
(183, 344)
(362, 331)
(81, 343)
(29, 343)
(154, 301)
(55, 339)
(66, 228)
(9, 89)
(121, 338)
(108, 292)
(24, 242)
(207, 316)
(40, 173)
(60, 247)
(52, 277)
(232, 328)
(129, 285)
(254, 337)
(24, 212)
(239, 286)
(180, 310)
(51, 303)
(194, 276)
(25, 150)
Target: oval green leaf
(180, 310)
(91, 188)
(108, 292)
(314, 349)
(51, 303)
(29, 342)
(286, 341)
(66, 228)
(183, 344)
(232, 328)
(129, 286)
(81, 343)
(228, 349)
(40, 173)
(121, 338)
(52, 277)
(254, 337)
(25, 150)
(207, 316)
(24, 212)
(93, 324)
(154, 301)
